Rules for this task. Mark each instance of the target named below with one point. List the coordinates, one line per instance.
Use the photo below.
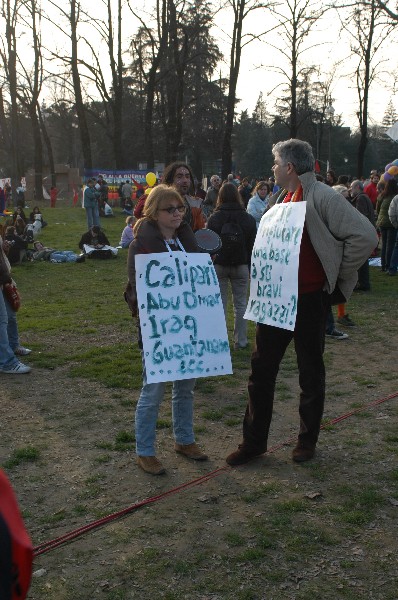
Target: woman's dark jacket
(230, 212)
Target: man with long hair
(180, 176)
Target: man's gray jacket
(341, 236)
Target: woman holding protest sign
(161, 229)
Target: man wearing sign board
(320, 246)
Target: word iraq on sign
(182, 317)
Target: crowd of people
(19, 231)
(342, 217)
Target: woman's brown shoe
(150, 464)
(191, 451)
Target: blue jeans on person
(92, 213)
(330, 323)
(394, 257)
(238, 275)
(9, 340)
(147, 410)
(388, 237)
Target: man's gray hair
(357, 183)
(296, 152)
(214, 178)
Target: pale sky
(329, 50)
(258, 59)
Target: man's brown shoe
(191, 451)
(242, 455)
(150, 464)
(303, 452)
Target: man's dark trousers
(271, 344)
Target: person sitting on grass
(20, 225)
(127, 233)
(19, 213)
(94, 237)
(95, 244)
(17, 246)
(36, 215)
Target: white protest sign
(4, 181)
(274, 266)
(181, 316)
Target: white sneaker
(21, 351)
(17, 369)
(337, 335)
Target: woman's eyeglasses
(173, 209)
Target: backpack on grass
(233, 251)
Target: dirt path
(183, 546)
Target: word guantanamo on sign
(182, 319)
(274, 266)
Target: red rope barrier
(67, 537)
(46, 546)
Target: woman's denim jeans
(93, 218)
(238, 275)
(147, 410)
(388, 237)
(394, 257)
(9, 340)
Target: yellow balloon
(148, 191)
(382, 178)
(393, 170)
(150, 179)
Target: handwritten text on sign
(274, 266)
(182, 317)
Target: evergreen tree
(390, 115)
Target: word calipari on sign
(181, 316)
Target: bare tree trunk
(10, 64)
(151, 84)
(180, 56)
(49, 148)
(28, 94)
(79, 104)
(293, 85)
(170, 82)
(235, 55)
(117, 81)
(38, 154)
(5, 134)
(369, 30)
(364, 98)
